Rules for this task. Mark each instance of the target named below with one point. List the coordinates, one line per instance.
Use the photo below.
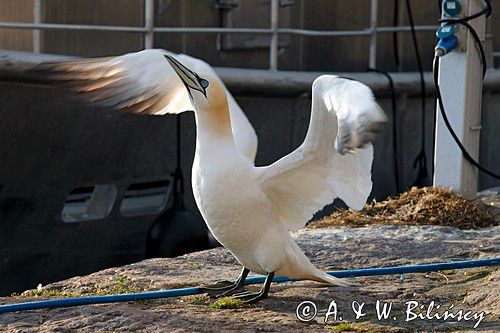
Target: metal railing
(149, 30)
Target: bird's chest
(215, 184)
(225, 192)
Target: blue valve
(447, 40)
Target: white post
(460, 80)
(149, 20)
(372, 62)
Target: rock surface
(330, 249)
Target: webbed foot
(248, 297)
(225, 288)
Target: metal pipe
(260, 82)
(407, 28)
(37, 19)
(304, 32)
(149, 21)
(322, 33)
(53, 26)
(213, 30)
(273, 46)
(372, 61)
(291, 83)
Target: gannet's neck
(215, 122)
(214, 137)
(213, 130)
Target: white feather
(312, 176)
(144, 82)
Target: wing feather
(312, 176)
(143, 83)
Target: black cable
(434, 107)
(394, 124)
(395, 23)
(439, 98)
(395, 45)
(480, 47)
(421, 159)
(463, 21)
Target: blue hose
(76, 301)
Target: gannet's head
(207, 93)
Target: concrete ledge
(330, 249)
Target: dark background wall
(42, 127)
(50, 143)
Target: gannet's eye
(204, 83)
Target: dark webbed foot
(230, 291)
(224, 288)
(249, 298)
(252, 297)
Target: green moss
(226, 303)
(346, 327)
(46, 293)
(122, 286)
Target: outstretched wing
(303, 182)
(143, 83)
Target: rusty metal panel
(101, 12)
(16, 11)
(295, 52)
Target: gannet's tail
(320, 276)
(298, 266)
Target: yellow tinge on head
(215, 96)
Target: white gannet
(250, 210)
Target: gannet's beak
(190, 79)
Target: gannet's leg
(230, 286)
(248, 297)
